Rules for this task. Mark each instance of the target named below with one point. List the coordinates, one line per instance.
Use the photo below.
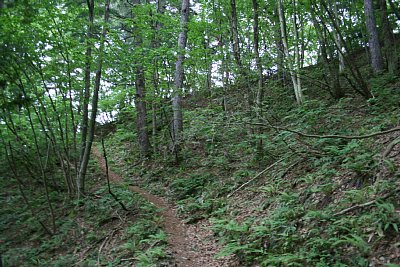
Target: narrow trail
(191, 245)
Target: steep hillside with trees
(200, 133)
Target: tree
(389, 44)
(177, 124)
(373, 41)
(291, 63)
(86, 92)
(95, 100)
(140, 97)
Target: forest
(200, 133)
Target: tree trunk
(297, 64)
(92, 125)
(362, 87)
(260, 91)
(338, 41)
(333, 71)
(389, 45)
(279, 47)
(235, 35)
(297, 89)
(177, 124)
(373, 41)
(140, 102)
(86, 94)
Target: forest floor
(190, 245)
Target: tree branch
(396, 129)
(255, 177)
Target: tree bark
(140, 102)
(373, 41)
(177, 124)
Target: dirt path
(191, 245)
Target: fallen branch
(255, 177)
(366, 204)
(384, 155)
(396, 129)
(100, 249)
(390, 147)
(288, 169)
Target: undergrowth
(295, 213)
(90, 232)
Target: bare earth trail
(191, 245)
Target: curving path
(191, 245)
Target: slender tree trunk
(43, 173)
(389, 45)
(333, 71)
(373, 41)
(338, 40)
(297, 61)
(260, 91)
(361, 87)
(177, 124)
(235, 35)
(86, 94)
(279, 47)
(95, 98)
(298, 93)
(140, 102)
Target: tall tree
(177, 124)
(235, 35)
(95, 100)
(389, 44)
(85, 94)
(260, 91)
(373, 41)
(295, 78)
(140, 96)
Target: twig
(82, 255)
(101, 247)
(255, 177)
(108, 178)
(106, 239)
(129, 259)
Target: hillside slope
(325, 191)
